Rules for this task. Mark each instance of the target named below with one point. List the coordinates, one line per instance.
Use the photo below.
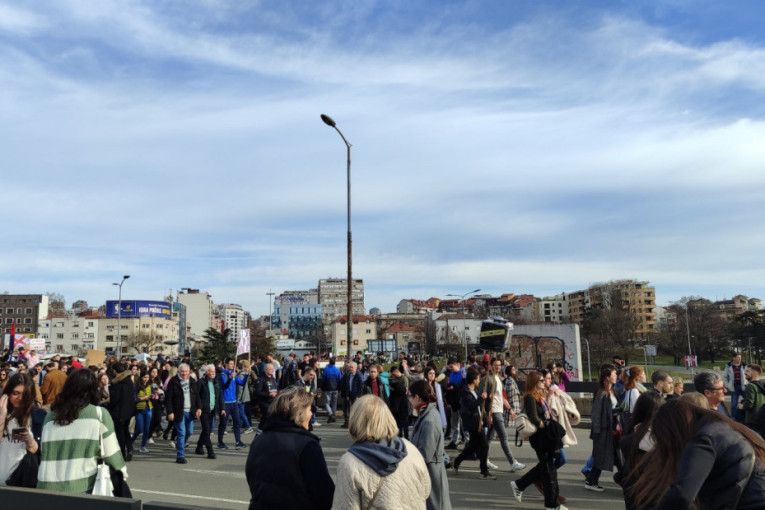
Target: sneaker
(451, 446)
(143, 449)
(596, 487)
(129, 456)
(249, 430)
(491, 465)
(240, 445)
(456, 468)
(559, 507)
(181, 460)
(225, 432)
(151, 440)
(222, 446)
(487, 476)
(517, 466)
(172, 444)
(316, 424)
(517, 493)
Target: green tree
(218, 345)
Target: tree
(260, 344)
(612, 322)
(431, 337)
(218, 345)
(142, 342)
(749, 329)
(708, 330)
(56, 304)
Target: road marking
(160, 493)
(212, 472)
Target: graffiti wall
(534, 347)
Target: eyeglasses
(721, 388)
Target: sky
(509, 146)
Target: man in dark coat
(350, 390)
(183, 407)
(211, 400)
(265, 391)
(397, 401)
(122, 406)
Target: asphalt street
(220, 483)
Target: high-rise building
(200, 310)
(235, 319)
(333, 298)
(24, 310)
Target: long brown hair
(80, 389)
(24, 410)
(604, 380)
(632, 380)
(677, 422)
(531, 386)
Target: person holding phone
(16, 406)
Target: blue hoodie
(229, 393)
(383, 456)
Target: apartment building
(24, 310)
(333, 298)
(200, 310)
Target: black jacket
(470, 409)
(263, 388)
(355, 385)
(366, 389)
(174, 398)
(713, 468)
(286, 469)
(122, 397)
(204, 395)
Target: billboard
(160, 309)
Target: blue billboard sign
(159, 309)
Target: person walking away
(243, 398)
(428, 437)
(330, 382)
(454, 386)
(183, 407)
(398, 403)
(734, 378)
(471, 407)
(754, 397)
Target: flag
(243, 346)
(10, 341)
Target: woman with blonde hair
(286, 468)
(380, 470)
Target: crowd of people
(666, 449)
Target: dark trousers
(347, 403)
(232, 411)
(545, 472)
(477, 445)
(263, 415)
(122, 431)
(403, 426)
(204, 437)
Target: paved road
(220, 483)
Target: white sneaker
(595, 488)
(517, 493)
(559, 507)
(249, 430)
(143, 449)
(517, 466)
(491, 465)
(172, 444)
(151, 441)
(317, 424)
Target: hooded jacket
(122, 397)
(381, 476)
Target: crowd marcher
(144, 405)
(158, 391)
(286, 466)
(678, 386)
(53, 383)
(266, 389)
(183, 407)
(229, 382)
(471, 413)
(734, 378)
(330, 383)
(563, 410)
(244, 398)
(103, 389)
(754, 397)
(545, 441)
(663, 384)
(513, 395)
(373, 385)
(456, 379)
(72, 437)
(350, 389)
(700, 456)
(3, 378)
(22, 423)
(633, 388)
(211, 403)
(494, 407)
(380, 470)
(438, 390)
(710, 385)
(121, 407)
(428, 437)
(603, 424)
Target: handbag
(524, 429)
(103, 485)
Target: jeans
(184, 428)
(735, 412)
(232, 411)
(244, 418)
(498, 426)
(561, 459)
(330, 402)
(478, 445)
(455, 429)
(206, 421)
(142, 426)
(545, 472)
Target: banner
(243, 347)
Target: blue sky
(528, 147)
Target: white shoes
(518, 493)
(143, 449)
(517, 466)
(559, 507)
(491, 465)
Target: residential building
(333, 298)
(418, 306)
(299, 312)
(403, 334)
(458, 328)
(631, 295)
(364, 330)
(235, 319)
(200, 310)
(24, 310)
(554, 309)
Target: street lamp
(270, 317)
(331, 123)
(464, 335)
(688, 332)
(119, 316)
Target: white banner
(243, 346)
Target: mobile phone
(19, 430)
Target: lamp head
(328, 120)
(125, 277)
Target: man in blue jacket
(330, 382)
(229, 380)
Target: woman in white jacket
(380, 470)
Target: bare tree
(431, 337)
(142, 342)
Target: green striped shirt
(70, 452)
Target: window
(369, 331)
(110, 338)
(59, 336)
(18, 310)
(9, 321)
(27, 330)
(75, 347)
(27, 321)
(123, 327)
(59, 347)
(145, 326)
(9, 310)
(75, 335)
(28, 310)
(355, 342)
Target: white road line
(160, 493)
(221, 473)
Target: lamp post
(331, 123)
(464, 335)
(119, 316)
(688, 332)
(270, 318)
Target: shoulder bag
(524, 429)
(103, 485)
